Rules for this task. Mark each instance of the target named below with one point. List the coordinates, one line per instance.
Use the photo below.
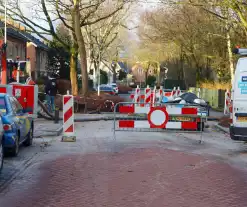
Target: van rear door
(240, 94)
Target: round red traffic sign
(158, 117)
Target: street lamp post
(4, 55)
(99, 62)
(5, 22)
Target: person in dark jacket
(51, 92)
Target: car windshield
(3, 109)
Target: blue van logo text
(244, 78)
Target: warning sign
(18, 92)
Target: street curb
(53, 133)
(213, 119)
(59, 130)
(226, 130)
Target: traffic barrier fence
(159, 118)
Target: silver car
(115, 87)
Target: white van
(238, 127)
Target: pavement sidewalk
(43, 127)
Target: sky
(141, 7)
(133, 21)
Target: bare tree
(104, 41)
(74, 14)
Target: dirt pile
(225, 121)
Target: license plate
(182, 119)
(243, 119)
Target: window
(3, 109)
(16, 106)
(13, 105)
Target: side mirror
(27, 110)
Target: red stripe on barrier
(190, 111)
(126, 109)
(189, 125)
(3, 90)
(70, 129)
(198, 119)
(66, 99)
(148, 100)
(126, 124)
(67, 115)
(142, 96)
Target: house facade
(37, 52)
(16, 43)
(140, 74)
(22, 45)
(105, 66)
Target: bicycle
(44, 108)
(109, 105)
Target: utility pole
(99, 62)
(4, 48)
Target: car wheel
(15, 150)
(1, 157)
(29, 140)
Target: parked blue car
(17, 124)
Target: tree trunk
(158, 75)
(73, 73)
(114, 75)
(229, 49)
(82, 48)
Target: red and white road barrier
(159, 117)
(153, 96)
(227, 102)
(68, 118)
(178, 92)
(147, 95)
(173, 94)
(137, 95)
(160, 94)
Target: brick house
(140, 74)
(16, 43)
(22, 44)
(37, 51)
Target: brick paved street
(136, 177)
(143, 172)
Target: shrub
(216, 85)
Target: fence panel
(159, 118)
